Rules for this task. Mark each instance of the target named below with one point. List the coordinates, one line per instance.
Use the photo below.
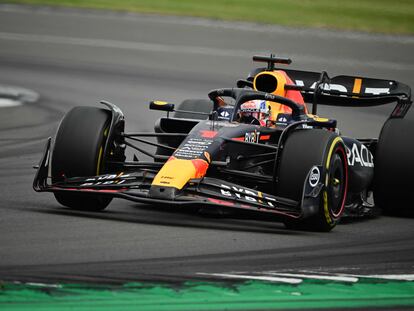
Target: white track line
(297, 278)
(254, 277)
(316, 277)
(6, 102)
(395, 277)
(12, 96)
(44, 285)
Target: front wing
(207, 192)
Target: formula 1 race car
(220, 154)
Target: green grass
(382, 16)
(209, 296)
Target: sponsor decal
(283, 119)
(222, 124)
(194, 147)
(359, 154)
(224, 114)
(250, 106)
(252, 137)
(105, 180)
(254, 106)
(238, 192)
(377, 90)
(314, 176)
(342, 88)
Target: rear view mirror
(161, 105)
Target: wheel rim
(337, 182)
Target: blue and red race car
(255, 149)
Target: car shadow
(405, 213)
(164, 216)
(376, 212)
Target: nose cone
(174, 175)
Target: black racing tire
(303, 150)
(78, 151)
(197, 105)
(394, 167)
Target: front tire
(78, 151)
(303, 150)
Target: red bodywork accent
(264, 137)
(296, 96)
(221, 202)
(238, 138)
(208, 134)
(201, 167)
(90, 190)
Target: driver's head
(254, 112)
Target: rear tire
(197, 105)
(77, 152)
(394, 167)
(303, 150)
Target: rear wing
(318, 88)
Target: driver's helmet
(254, 112)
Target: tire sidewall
(304, 149)
(78, 152)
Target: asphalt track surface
(76, 58)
